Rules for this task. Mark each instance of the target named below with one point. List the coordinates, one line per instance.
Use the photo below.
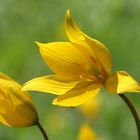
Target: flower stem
(133, 111)
(42, 130)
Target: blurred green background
(115, 23)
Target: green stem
(133, 111)
(42, 130)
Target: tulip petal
(96, 50)
(16, 108)
(6, 82)
(65, 59)
(78, 95)
(3, 121)
(86, 133)
(23, 105)
(8, 116)
(121, 82)
(51, 84)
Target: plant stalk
(133, 111)
(42, 131)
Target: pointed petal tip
(68, 15)
(68, 12)
(54, 102)
(23, 89)
(57, 103)
(38, 43)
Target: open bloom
(86, 133)
(81, 66)
(16, 107)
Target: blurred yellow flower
(90, 109)
(86, 133)
(82, 67)
(16, 107)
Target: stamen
(101, 72)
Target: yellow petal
(23, 105)
(65, 59)
(96, 50)
(3, 95)
(6, 82)
(86, 133)
(121, 82)
(3, 121)
(9, 117)
(51, 84)
(78, 95)
(16, 107)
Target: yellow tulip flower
(82, 66)
(86, 133)
(16, 107)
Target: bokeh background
(115, 23)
